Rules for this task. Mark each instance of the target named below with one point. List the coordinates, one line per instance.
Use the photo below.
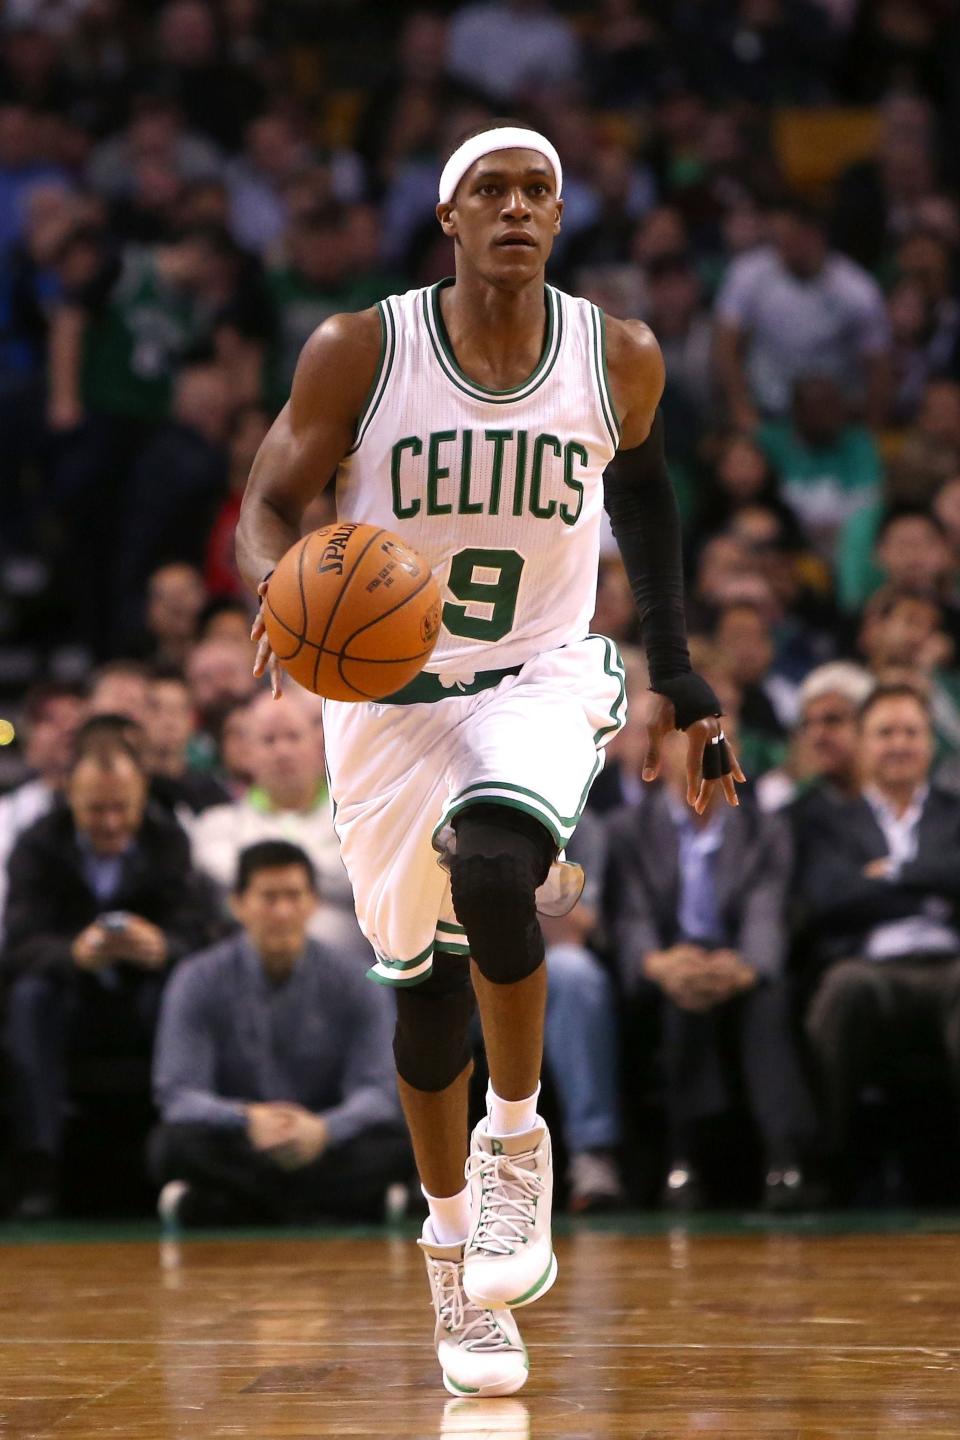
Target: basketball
(352, 612)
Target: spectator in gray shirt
(502, 46)
(796, 309)
(273, 1069)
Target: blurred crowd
(189, 188)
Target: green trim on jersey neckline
(443, 350)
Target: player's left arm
(643, 512)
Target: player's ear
(445, 215)
(556, 223)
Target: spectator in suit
(274, 1067)
(879, 880)
(101, 904)
(51, 714)
(698, 914)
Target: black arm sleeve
(639, 499)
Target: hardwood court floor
(759, 1335)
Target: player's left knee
(494, 876)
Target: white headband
(506, 137)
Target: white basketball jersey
(500, 490)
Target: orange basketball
(352, 612)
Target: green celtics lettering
(488, 472)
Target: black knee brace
(502, 856)
(431, 1042)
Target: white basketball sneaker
(509, 1259)
(479, 1349)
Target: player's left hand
(700, 785)
(265, 658)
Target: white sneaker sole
(484, 1392)
(535, 1292)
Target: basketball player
(479, 419)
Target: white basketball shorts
(400, 771)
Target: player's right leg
(479, 1349)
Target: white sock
(450, 1216)
(511, 1117)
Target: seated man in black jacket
(101, 902)
(697, 913)
(878, 880)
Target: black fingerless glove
(692, 698)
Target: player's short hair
(271, 855)
(901, 690)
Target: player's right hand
(265, 658)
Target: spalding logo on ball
(352, 612)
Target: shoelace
(454, 1309)
(508, 1201)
